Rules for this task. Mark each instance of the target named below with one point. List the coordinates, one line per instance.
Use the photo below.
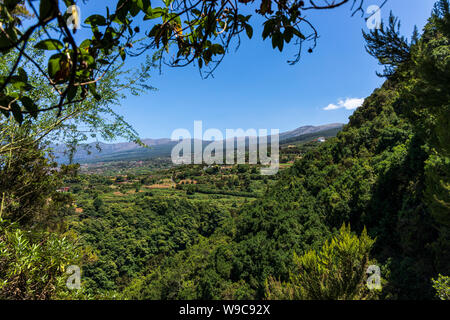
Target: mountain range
(104, 152)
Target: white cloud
(349, 104)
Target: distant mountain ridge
(160, 147)
(308, 129)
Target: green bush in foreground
(442, 287)
(32, 265)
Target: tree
(97, 203)
(28, 188)
(388, 46)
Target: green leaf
(93, 90)
(217, 49)
(53, 64)
(71, 94)
(96, 20)
(134, 9)
(22, 74)
(155, 30)
(17, 112)
(249, 31)
(155, 13)
(49, 44)
(196, 12)
(207, 56)
(30, 106)
(299, 34)
(268, 28)
(288, 33)
(11, 4)
(5, 112)
(18, 83)
(85, 44)
(122, 9)
(144, 5)
(46, 9)
(5, 41)
(87, 58)
(122, 53)
(4, 101)
(277, 41)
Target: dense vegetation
(376, 194)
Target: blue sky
(254, 87)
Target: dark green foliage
(29, 182)
(387, 46)
(128, 236)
